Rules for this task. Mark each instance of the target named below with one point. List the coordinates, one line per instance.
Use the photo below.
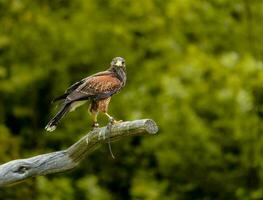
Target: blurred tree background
(195, 67)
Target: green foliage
(195, 67)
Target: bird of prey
(97, 89)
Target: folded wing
(96, 87)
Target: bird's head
(118, 67)
(118, 62)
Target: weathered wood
(18, 170)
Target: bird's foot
(113, 121)
(104, 133)
(117, 121)
(95, 125)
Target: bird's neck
(120, 74)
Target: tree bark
(59, 161)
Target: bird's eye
(122, 62)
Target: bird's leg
(112, 120)
(95, 121)
(93, 110)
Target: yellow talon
(117, 121)
(112, 120)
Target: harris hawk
(97, 89)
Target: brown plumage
(97, 89)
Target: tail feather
(52, 124)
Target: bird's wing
(74, 86)
(77, 84)
(69, 90)
(98, 86)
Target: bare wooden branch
(18, 170)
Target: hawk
(97, 89)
